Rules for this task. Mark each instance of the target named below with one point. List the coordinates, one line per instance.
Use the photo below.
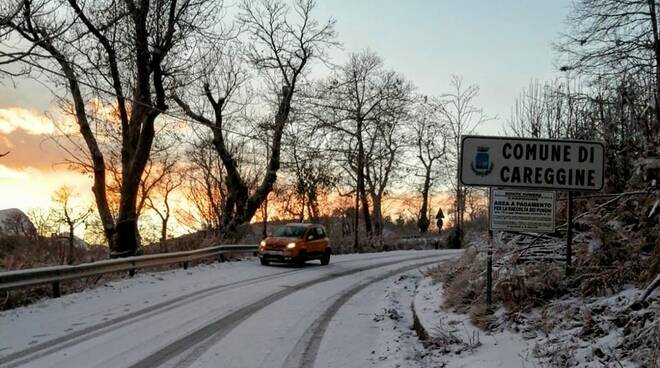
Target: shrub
(455, 239)
(529, 285)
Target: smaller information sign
(522, 210)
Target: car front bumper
(277, 255)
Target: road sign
(522, 210)
(532, 163)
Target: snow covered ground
(569, 332)
(471, 347)
(230, 314)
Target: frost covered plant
(527, 286)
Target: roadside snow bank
(567, 332)
(463, 344)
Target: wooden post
(489, 270)
(56, 289)
(185, 265)
(489, 261)
(569, 234)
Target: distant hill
(15, 222)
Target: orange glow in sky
(35, 167)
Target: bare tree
(70, 215)
(609, 39)
(43, 221)
(171, 178)
(120, 53)
(462, 117)
(353, 102)
(281, 50)
(311, 167)
(204, 188)
(385, 145)
(429, 139)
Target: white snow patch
(477, 348)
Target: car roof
(306, 224)
(301, 224)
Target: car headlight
(290, 245)
(262, 244)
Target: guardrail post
(131, 272)
(185, 265)
(56, 289)
(221, 258)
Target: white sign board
(532, 163)
(520, 210)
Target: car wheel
(264, 261)
(301, 259)
(325, 258)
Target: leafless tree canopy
(362, 105)
(611, 41)
(189, 111)
(106, 52)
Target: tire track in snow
(191, 346)
(307, 348)
(54, 345)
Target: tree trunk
(361, 181)
(163, 229)
(69, 259)
(240, 206)
(302, 207)
(652, 136)
(377, 214)
(424, 221)
(98, 162)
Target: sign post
(489, 259)
(569, 234)
(535, 164)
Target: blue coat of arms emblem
(481, 164)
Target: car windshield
(289, 232)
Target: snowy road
(229, 315)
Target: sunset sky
(501, 46)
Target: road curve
(267, 320)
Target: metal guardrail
(56, 274)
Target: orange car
(296, 243)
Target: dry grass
(463, 285)
(524, 286)
(19, 252)
(481, 316)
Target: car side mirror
(310, 237)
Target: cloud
(30, 151)
(14, 118)
(29, 187)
